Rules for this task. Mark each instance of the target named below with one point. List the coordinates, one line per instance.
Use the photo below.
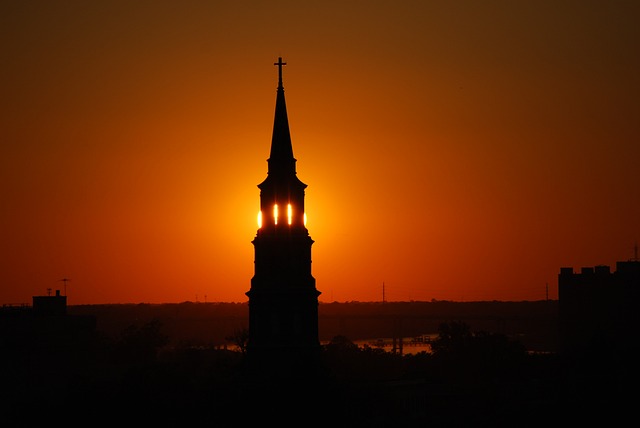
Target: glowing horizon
(492, 146)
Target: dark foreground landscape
(209, 324)
(492, 364)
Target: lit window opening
(289, 211)
(275, 213)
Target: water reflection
(405, 345)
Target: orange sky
(453, 150)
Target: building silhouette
(43, 325)
(283, 299)
(597, 308)
(42, 350)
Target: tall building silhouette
(597, 308)
(283, 299)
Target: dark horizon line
(326, 303)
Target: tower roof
(281, 156)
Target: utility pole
(547, 291)
(382, 291)
(65, 280)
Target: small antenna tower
(65, 280)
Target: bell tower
(283, 299)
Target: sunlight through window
(259, 219)
(275, 213)
(289, 211)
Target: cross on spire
(279, 64)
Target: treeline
(534, 323)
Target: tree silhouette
(140, 345)
(240, 338)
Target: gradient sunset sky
(453, 150)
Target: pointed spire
(281, 157)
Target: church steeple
(281, 160)
(281, 193)
(283, 299)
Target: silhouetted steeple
(282, 192)
(281, 160)
(283, 299)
